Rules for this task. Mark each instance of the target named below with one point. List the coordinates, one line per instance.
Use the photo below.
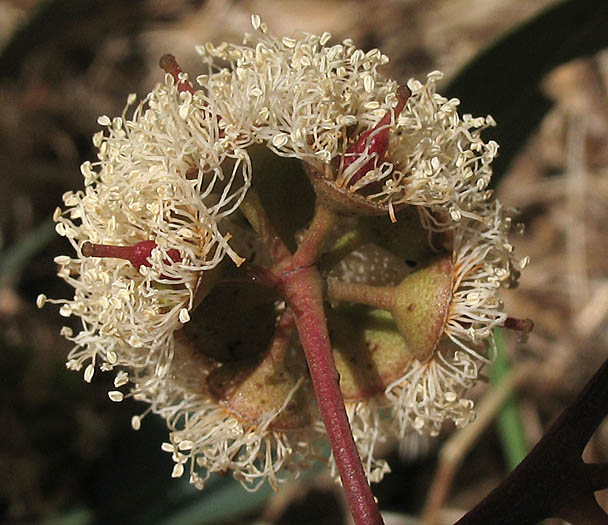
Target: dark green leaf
(503, 81)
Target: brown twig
(299, 282)
(553, 480)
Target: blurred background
(69, 455)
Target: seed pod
(421, 307)
(251, 390)
(369, 351)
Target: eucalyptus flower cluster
(413, 266)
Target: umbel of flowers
(255, 346)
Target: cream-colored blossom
(441, 162)
(207, 438)
(483, 261)
(161, 176)
(431, 393)
(300, 95)
(309, 99)
(142, 189)
(173, 169)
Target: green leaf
(510, 427)
(17, 256)
(503, 81)
(225, 500)
(77, 515)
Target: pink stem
(317, 234)
(303, 290)
(282, 336)
(254, 212)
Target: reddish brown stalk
(282, 334)
(525, 326)
(169, 64)
(302, 288)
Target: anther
(375, 140)
(138, 254)
(169, 64)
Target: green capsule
(421, 306)
(252, 390)
(369, 351)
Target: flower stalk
(323, 223)
(382, 297)
(302, 288)
(254, 212)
